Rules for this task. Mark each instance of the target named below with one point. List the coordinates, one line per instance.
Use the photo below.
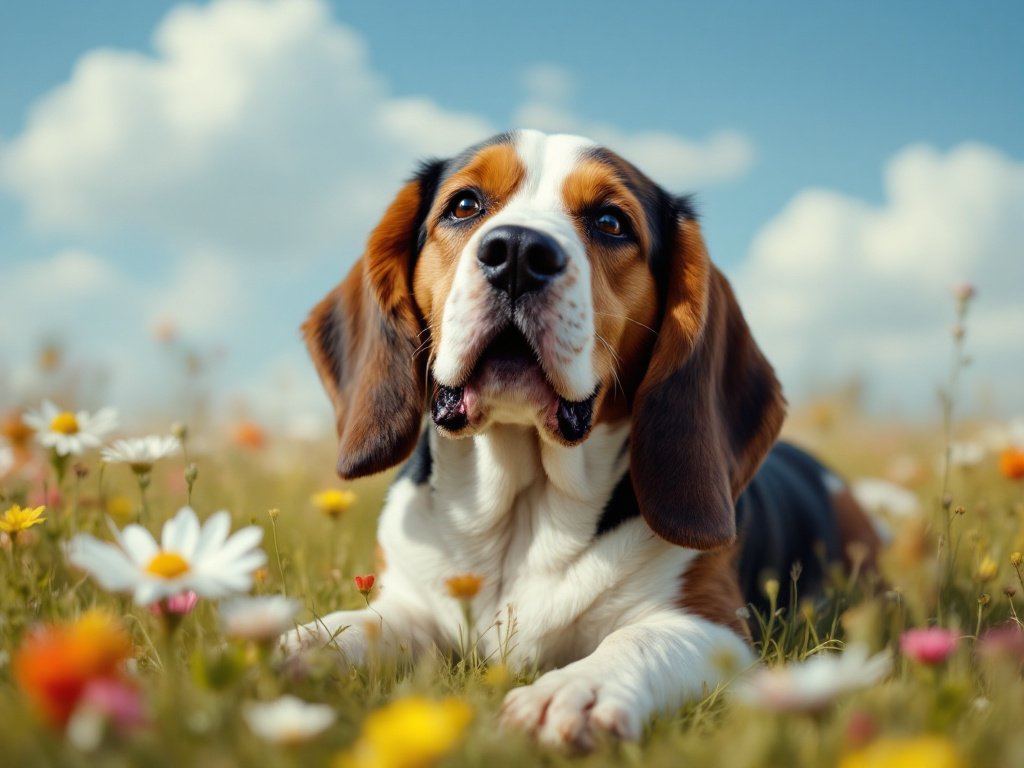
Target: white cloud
(260, 127)
(257, 127)
(835, 286)
(674, 161)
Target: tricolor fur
(598, 405)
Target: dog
(536, 330)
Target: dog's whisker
(626, 318)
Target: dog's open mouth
(510, 367)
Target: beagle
(536, 330)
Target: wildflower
(928, 646)
(1016, 559)
(120, 508)
(963, 292)
(17, 432)
(364, 584)
(248, 434)
(464, 586)
(165, 331)
(409, 733)
(987, 569)
(17, 519)
(188, 557)
(70, 433)
(260, 619)
(179, 605)
(103, 701)
(333, 502)
(966, 454)
(933, 751)
(1003, 642)
(287, 720)
(54, 665)
(1011, 463)
(141, 453)
(883, 496)
(811, 685)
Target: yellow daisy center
(65, 423)
(167, 565)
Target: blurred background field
(970, 703)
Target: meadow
(90, 675)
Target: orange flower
(1011, 463)
(249, 434)
(17, 432)
(464, 586)
(55, 664)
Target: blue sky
(222, 166)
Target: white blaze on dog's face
(535, 283)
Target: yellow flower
(933, 751)
(414, 732)
(121, 508)
(987, 569)
(333, 502)
(16, 519)
(464, 586)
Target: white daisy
(258, 618)
(188, 557)
(287, 720)
(67, 432)
(811, 685)
(141, 453)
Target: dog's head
(543, 280)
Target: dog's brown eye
(466, 206)
(609, 223)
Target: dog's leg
(390, 626)
(638, 670)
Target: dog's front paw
(573, 710)
(315, 634)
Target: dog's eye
(611, 223)
(466, 206)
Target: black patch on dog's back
(785, 516)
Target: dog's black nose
(518, 260)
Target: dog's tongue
(449, 408)
(574, 418)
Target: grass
(196, 712)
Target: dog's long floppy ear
(364, 336)
(709, 406)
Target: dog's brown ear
(709, 406)
(364, 338)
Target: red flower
(364, 584)
(928, 646)
(56, 664)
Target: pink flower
(928, 646)
(964, 291)
(120, 702)
(1003, 642)
(178, 605)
